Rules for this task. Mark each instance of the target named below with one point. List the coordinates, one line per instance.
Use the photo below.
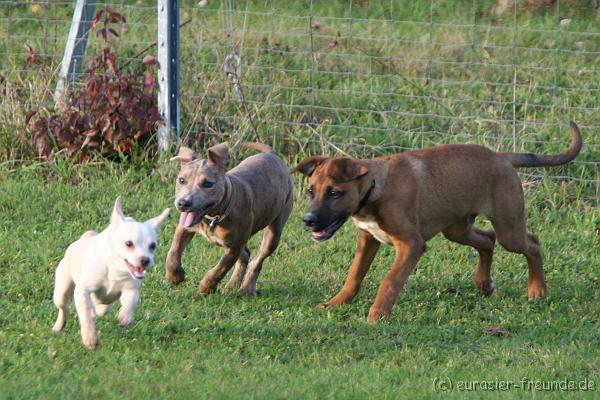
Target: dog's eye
(333, 193)
(129, 243)
(181, 180)
(310, 191)
(207, 184)
(152, 246)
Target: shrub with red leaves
(115, 110)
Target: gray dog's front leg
(214, 276)
(174, 272)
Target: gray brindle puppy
(227, 208)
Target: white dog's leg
(100, 309)
(63, 291)
(83, 303)
(129, 300)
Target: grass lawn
(276, 344)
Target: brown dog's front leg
(363, 257)
(408, 252)
(174, 273)
(214, 276)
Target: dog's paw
(335, 301)
(206, 287)
(175, 276)
(125, 320)
(61, 321)
(248, 290)
(326, 304)
(90, 342)
(377, 314)
(90, 345)
(486, 288)
(536, 291)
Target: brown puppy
(227, 208)
(406, 199)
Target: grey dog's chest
(213, 235)
(369, 223)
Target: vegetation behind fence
(358, 77)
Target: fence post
(76, 43)
(168, 74)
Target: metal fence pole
(76, 43)
(168, 75)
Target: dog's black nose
(309, 219)
(144, 261)
(184, 203)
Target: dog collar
(212, 222)
(363, 201)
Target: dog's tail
(263, 148)
(540, 160)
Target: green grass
(277, 345)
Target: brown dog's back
(447, 175)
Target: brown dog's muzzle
(309, 219)
(322, 224)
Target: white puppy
(101, 267)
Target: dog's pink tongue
(186, 219)
(318, 234)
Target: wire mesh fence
(363, 77)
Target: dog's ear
(219, 155)
(346, 169)
(185, 155)
(117, 215)
(308, 165)
(157, 222)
